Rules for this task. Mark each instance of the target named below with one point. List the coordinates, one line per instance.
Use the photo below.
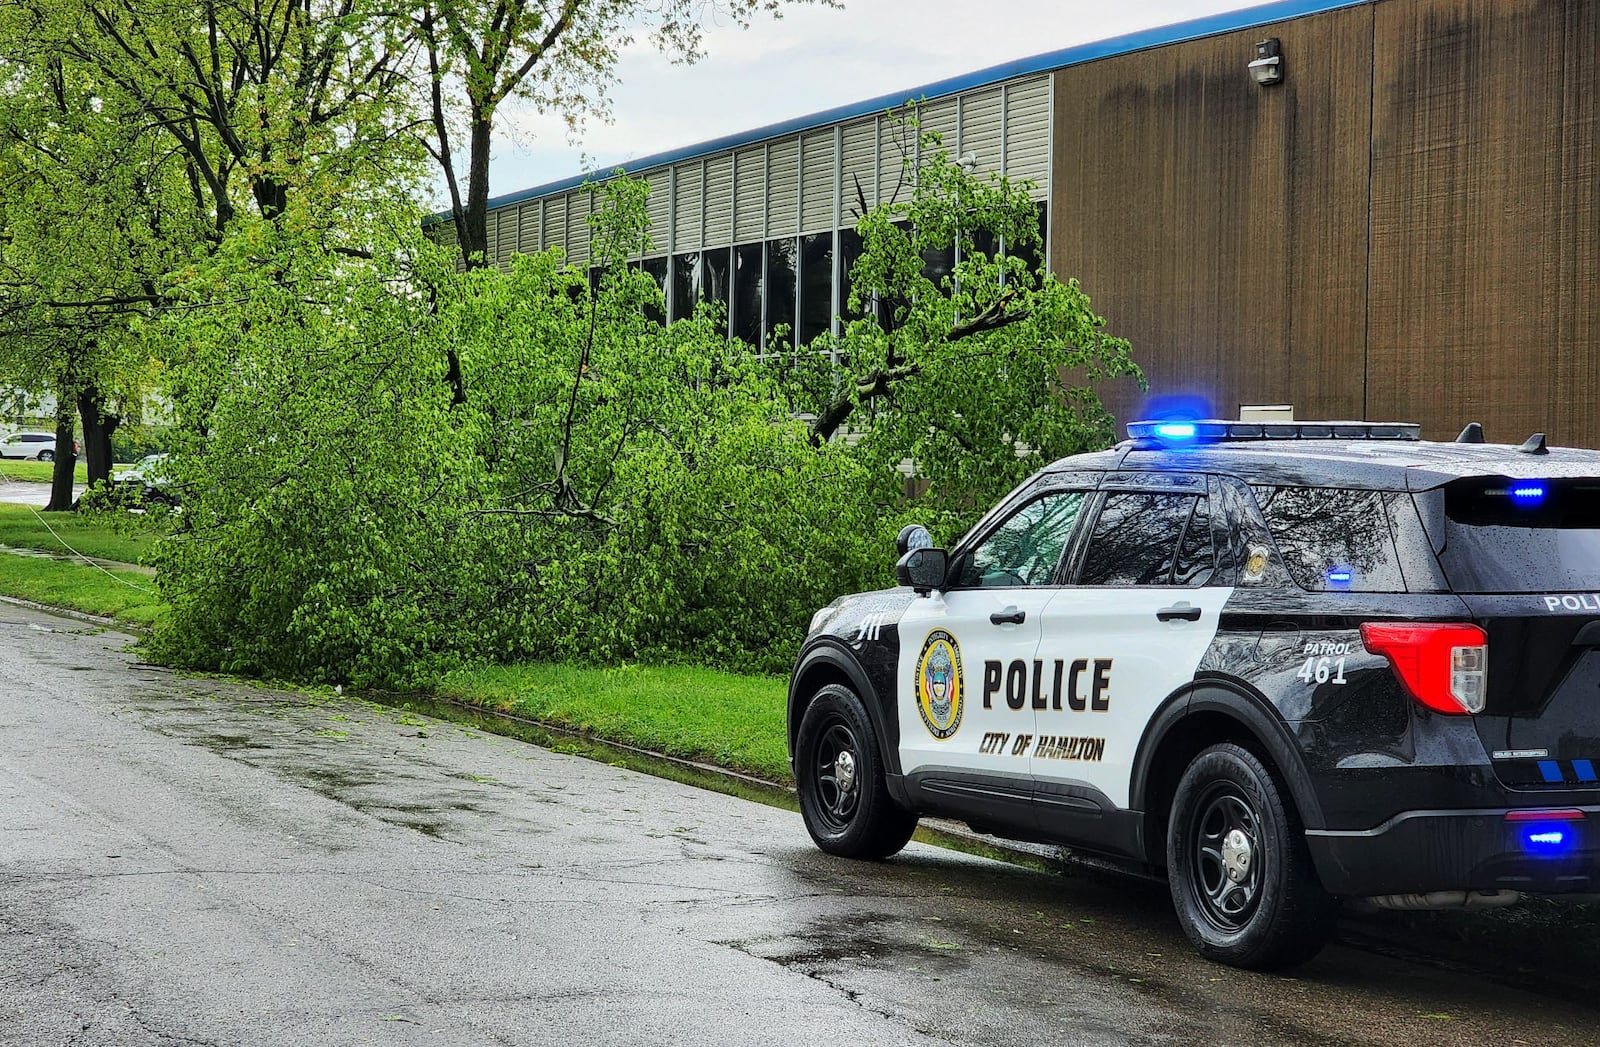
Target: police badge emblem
(940, 684)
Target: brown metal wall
(1486, 217)
(1407, 227)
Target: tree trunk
(98, 428)
(61, 500)
(474, 231)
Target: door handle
(1177, 611)
(1010, 616)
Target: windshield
(1505, 536)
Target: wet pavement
(189, 861)
(25, 493)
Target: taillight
(1445, 666)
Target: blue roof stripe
(1210, 25)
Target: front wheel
(840, 777)
(1241, 875)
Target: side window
(1026, 549)
(1136, 540)
(1333, 539)
(1197, 556)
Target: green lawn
(38, 472)
(87, 533)
(698, 714)
(123, 595)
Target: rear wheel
(47, 456)
(840, 777)
(1241, 876)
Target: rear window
(1510, 536)
(1333, 539)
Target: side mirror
(922, 569)
(912, 536)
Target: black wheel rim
(838, 782)
(1225, 827)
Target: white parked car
(38, 446)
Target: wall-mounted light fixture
(1267, 68)
(968, 162)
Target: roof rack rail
(1212, 430)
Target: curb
(67, 612)
(959, 830)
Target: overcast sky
(810, 60)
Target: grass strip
(123, 595)
(88, 533)
(696, 714)
(38, 472)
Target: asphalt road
(189, 861)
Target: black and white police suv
(1286, 663)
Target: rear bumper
(1418, 851)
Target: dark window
(1545, 539)
(816, 286)
(1135, 539)
(1026, 549)
(938, 263)
(747, 294)
(1033, 253)
(985, 243)
(850, 249)
(714, 277)
(780, 289)
(1333, 539)
(686, 280)
(657, 268)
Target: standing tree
(979, 375)
(554, 53)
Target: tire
(1241, 875)
(858, 819)
(47, 456)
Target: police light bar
(1211, 430)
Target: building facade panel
(819, 177)
(658, 208)
(1218, 224)
(719, 200)
(982, 115)
(858, 168)
(750, 194)
(1485, 217)
(688, 205)
(783, 187)
(1028, 131)
(555, 222)
(579, 204)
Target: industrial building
(1384, 209)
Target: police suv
(1257, 656)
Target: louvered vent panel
(528, 227)
(687, 213)
(980, 130)
(444, 232)
(1027, 143)
(859, 165)
(783, 187)
(657, 209)
(578, 207)
(719, 200)
(817, 157)
(749, 195)
(505, 236)
(940, 118)
(896, 145)
(555, 221)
